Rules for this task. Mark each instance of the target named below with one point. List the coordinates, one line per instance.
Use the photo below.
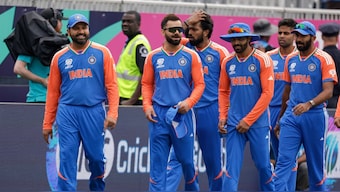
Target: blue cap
(239, 30)
(330, 29)
(305, 28)
(76, 18)
(175, 119)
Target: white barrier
(253, 8)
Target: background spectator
(265, 29)
(330, 37)
(131, 61)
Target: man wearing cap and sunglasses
(245, 90)
(172, 84)
(310, 76)
(82, 78)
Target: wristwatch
(312, 102)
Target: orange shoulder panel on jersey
(184, 41)
(267, 86)
(222, 50)
(53, 91)
(224, 89)
(148, 80)
(274, 51)
(327, 66)
(286, 76)
(197, 77)
(265, 60)
(110, 79)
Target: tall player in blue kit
(199, 30)
(82, 78)
(286, 41)
(245, 90)
(310, 76)
(172, 84)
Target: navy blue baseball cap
(239, 30)
(76, 18)
(330, 29)
(305, 28)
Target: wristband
(312, 102)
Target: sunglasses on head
(237, 30)
(302, 26)
(174, 29)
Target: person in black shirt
(330, 35)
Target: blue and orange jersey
(307, 75)
(87, 78)
(246, 89)
(279, 83)
(211, 56)
(171, 78)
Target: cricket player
(310, 75)
(172, 82)
(286, 41)
(82, 78)
(199, 30)
(245, 90)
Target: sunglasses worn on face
(237, 30)
(174, 29)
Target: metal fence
(256, 8)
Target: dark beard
(80, 41)
(171, 41)
(241, 49)
(304, 47)
(196, 42)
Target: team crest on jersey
(275, 63)
(160, 63)
(209, 59)
(311, 67)
(252, 68)
(232, 69)
(68, 63)
(92, 59)
(182, 61)
(292, 67)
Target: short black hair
(207, 24)
(287, 22)
(136, 14)
(169, 17)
